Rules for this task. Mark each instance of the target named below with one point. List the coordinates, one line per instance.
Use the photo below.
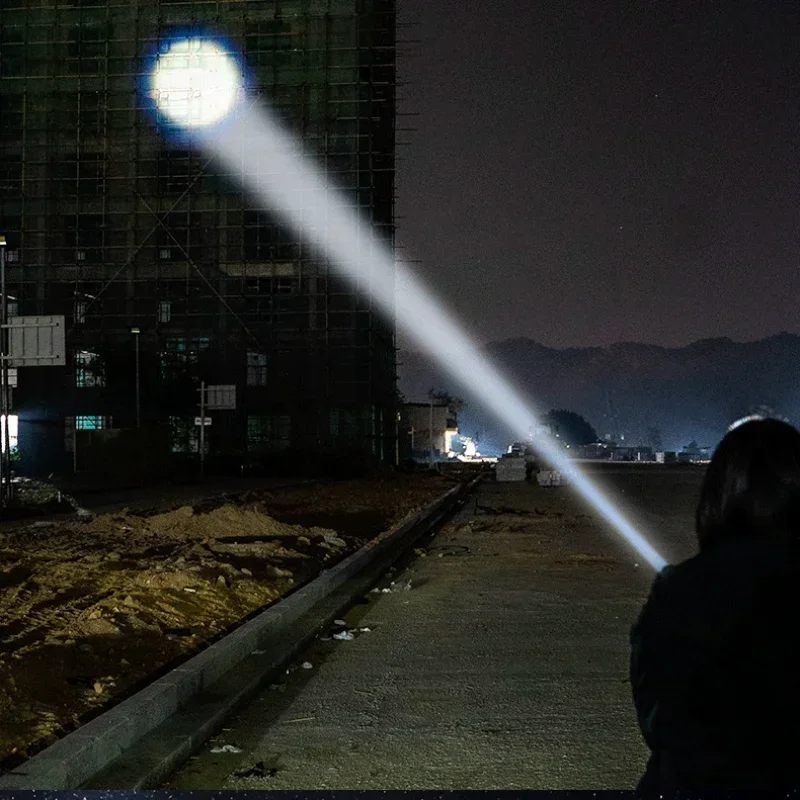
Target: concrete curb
(275, 636)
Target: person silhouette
(715, 652)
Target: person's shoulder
(728, 569)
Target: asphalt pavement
(497, 660)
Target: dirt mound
(91, 609)
(95, 604)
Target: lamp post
(135, 332)
(5, 406)
(430, 433)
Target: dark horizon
(412, 351)
(594, 174)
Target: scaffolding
(114, 225)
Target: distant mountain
(642, 392)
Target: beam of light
(253, 145)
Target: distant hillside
(640, 391)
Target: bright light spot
(195, 83)
(271, 166)
(13, 431)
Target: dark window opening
(11, 117)
(173, 237)
(268, 433)
(176, 171)
(269, 43)
(264, 239)
(256, 369)
(12, 51)
(86, 50)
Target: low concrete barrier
(139, 742)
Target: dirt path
(92, 610)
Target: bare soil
(92, 610)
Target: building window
(173, 236)
(12, 51)
(347, 423)
(91, 422)
(11, 226)
(256, 369)
(11, 112)
(91, 174)
(80, 311)
(265, 239)
(269, 43)
(268, 433)
(184, 435)
(12, 306)
(84, 422)
(91, 111)
(285, 285)
(164, 310)
(89, 371)
(81, 174)
(180, 353)
(176, 171)
(86, 50)
(11, 175)
(82, 237)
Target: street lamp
(135, 332)
(5, 405)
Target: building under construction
(167, 274)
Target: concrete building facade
(114, 226)
(428, 429)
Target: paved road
(504, 666)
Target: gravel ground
(91, 610)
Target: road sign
(37, 341)
(221, 397)
(198, 421)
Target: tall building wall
(118, 227)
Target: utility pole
(5, 407)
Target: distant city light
(195, 82)
(271, 165)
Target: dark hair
(752, 484)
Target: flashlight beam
(272, 166)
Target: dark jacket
(715, 668)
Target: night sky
(585, 173)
